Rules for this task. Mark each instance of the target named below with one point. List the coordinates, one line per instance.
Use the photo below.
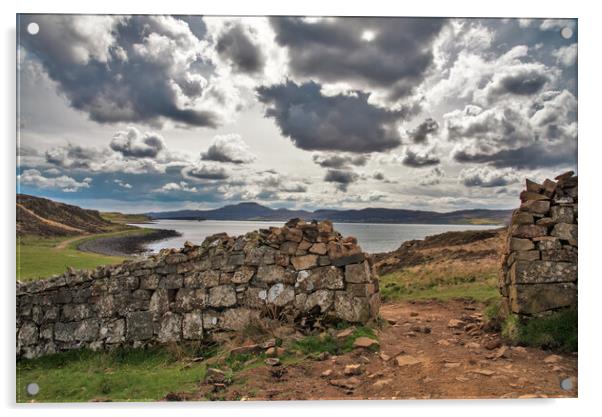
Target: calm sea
(371, 237)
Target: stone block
(76, 331)
(357, 273)
(533, 299)
(170, 329)
(270, 273)
(350, 308)
(222, 296)
(528, 231)
(243, 275)
(517, 244)
(280, 294)
(565, 231)
(562, 214)
(139, 325)
(192, 326)
(304, 262)
(536, 207)
(536, 272)
(324, 299)
(325, 277)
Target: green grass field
(119, 375)
(39, 257)
(441, 284)
(122, 218)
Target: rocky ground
(428, 350)
(126, 245)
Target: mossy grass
(316, 344)
(555, 331)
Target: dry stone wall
(304, 271)
(539, 265)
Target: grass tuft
(557, 331)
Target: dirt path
(63, 244)
(424, 354)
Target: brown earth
(462, 247)
(436, 361)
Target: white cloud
(66, 184)
(566, 55)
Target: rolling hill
(43, 217)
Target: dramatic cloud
(64, 183)
(341, 177)
(541, 135)
(235, 45)
(392, 54)
(205, 172)
(420, 158)
(487, 177)
(132, 143)
(520, 80)
(339, 161)
(433, 177)
(331, 123)
(228, 148)
(145, 69)
(419, 133)
(75, 157)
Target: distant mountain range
(254, 211)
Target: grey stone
(113, 331)
(28, 334)
(270, 273)
(565, 231)
(139, 325)
(222, 296)
(190, 299)
(159, 303)
(532, 272)
(533, 299)
(322, 298)
(326, 277)
(243, 275)
(350, 308)
(280, 294)
(76, 331)
(170, 329)
(562, 214)
(357, 273)
(192, 326)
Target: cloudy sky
(140, 113)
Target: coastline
(126, 245)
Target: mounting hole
(33, 388)
(33, 28)
(566, 384)
(566, 32)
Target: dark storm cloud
(419, 133)
(122, 69)
(339, 161)
(391, 53)
(527, 157)
(134, 144)
(74, 156)
(520, 80)
(236, 46)
(345, 123)
(341, 177)
(419, 159)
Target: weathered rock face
(199, 292)
(539, 264)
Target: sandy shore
(126, 245)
